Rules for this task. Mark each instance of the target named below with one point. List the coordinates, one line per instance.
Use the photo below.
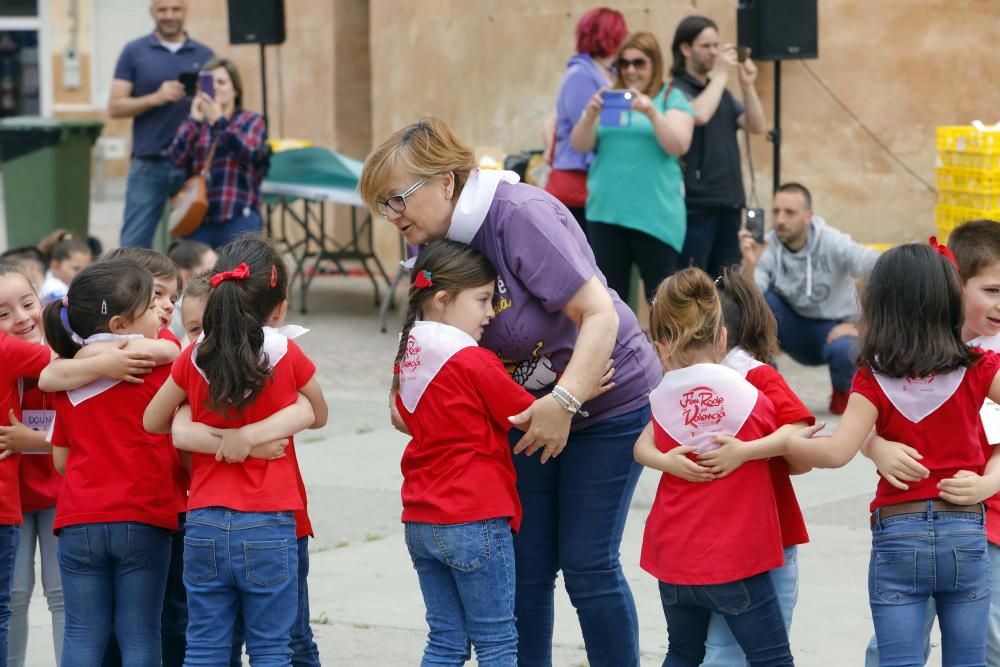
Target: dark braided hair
(453, 267)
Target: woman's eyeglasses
(639, 63)
(398, 202)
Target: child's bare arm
(160, 411)
(674, 461)
(837, 450)
(59, 457)
(18, 438)
(111, 360)
(314, 393)
(733, 452)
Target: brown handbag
(189, 206)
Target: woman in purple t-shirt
(556, 327)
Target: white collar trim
(917, 398)
(429, 347)
(475, 201)
(275, 345)
(740, 361)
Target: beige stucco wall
(492, 70)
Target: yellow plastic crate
(967, 139)
(969, 160)
(973, 181)
(946, 218)
(983, 201)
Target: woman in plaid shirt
(239, 162)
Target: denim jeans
(804, 340)
(173, 621)
(36, 531)
(305, 653)
(218, 234)
(721, 647)
(931, 554)
(113, 576)
(750, 608)
(712, 241)
(150, 184)
(8, 550)
(575, 508)
(246, 563)
(466, 574)
(871, 652)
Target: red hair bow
(943, 250)
(423, 279)
(241, 272)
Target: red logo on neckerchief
(410, 361)
(702, 407)
(919, 384)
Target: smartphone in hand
(754, 223)
(190, 82)
(206, 83)
(742, 53)
(617, 108)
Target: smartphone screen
(617, 108)
(190, 82)
(741, 54)
(206, 83)
(755, 223)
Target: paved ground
(366, 605)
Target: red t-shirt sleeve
(503, 397)
(788, 409)
(866, 385)
(58, 437)
(986, 369)
(22, 359)
(167, 334)
(302, 368)
(181, 367)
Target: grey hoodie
(818, 280)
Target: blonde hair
(426, 149)
(685, 313)
(645, 42)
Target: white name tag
(990, 416)
(38, 420)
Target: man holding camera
(713, 181)
(807, 271)
(146, 87)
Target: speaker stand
(775, 134)
(263, 84)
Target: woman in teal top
(635, 206)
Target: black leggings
(616, 248)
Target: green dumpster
(46, 175)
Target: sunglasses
(624, 63)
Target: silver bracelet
(568, 401)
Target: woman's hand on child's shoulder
(677, 463)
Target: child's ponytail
(750, 324)
(446, 266)
(98, 293)
(249, 282)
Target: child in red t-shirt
(460, 504)
(710, 540)
(240, 541)
(919, 383)
(118, 504)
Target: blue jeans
(173, 621)
(931, 554)
(575, 508)
(36, 533)
(721, 647)
(8, 549)
(246, 563)
(466, 574)
(113, 577)
(804, 340)
(305, 653)
(871, 652)
(712, 242)
(218, 234)
(750, 608)
(150, 184)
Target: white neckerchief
(697, 403)
(989, 414)
(275, 345)
(428, 348)
(475, 201)
(740, 361)
(917, 398)
(100, 385)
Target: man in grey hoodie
(807, 272)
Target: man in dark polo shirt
(146, 88)
(713, 182)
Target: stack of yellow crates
(968, 176)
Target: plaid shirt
(237, 168)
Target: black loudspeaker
(256, 21)
(778, 29)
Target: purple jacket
(582, 79)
